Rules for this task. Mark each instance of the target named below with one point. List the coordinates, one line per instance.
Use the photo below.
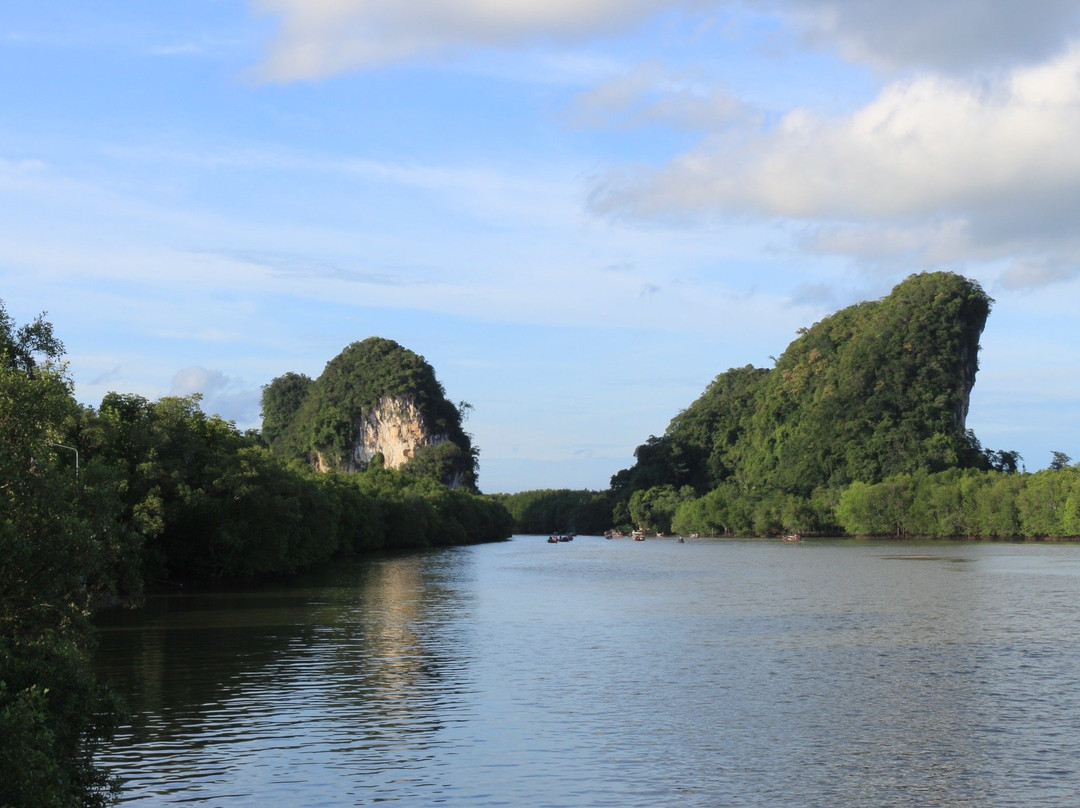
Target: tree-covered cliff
(877, 389)
(374, 399)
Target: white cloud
(908, 247)
(926, 144)
(220, 394)
(947, 169)
(1036, 272)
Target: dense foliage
(54, 548)
(206, 501)
(558, 511)
(970, 502)
(281, 401)
(95, 505)
(877, 389)
(318, 420)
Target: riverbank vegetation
(98, 505)
(859, 428)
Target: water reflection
(231, 692)
(617, 673)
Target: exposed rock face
(968, 362)
(395, 429)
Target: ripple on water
(621, 674)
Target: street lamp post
(76, 451)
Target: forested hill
(374, 399)
(878, 388)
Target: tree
(24, 347)
(655, 508)
(1060, 461)
(1006, 461)
(52, 714)
(281, 400)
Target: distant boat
(792, 537)
(639, 535)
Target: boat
(639, 535)
(792, 537)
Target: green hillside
(877, 389)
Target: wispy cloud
(319, 39)
(651, 95)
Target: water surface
(615, 673)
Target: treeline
(958, 503)
(209, 502)
(558, 511)
(96, 505)
(966, 503)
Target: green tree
(1041, 503)
(560, 510)
(281, 401)
(52, 713)
(654, 508)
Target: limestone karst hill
(374, 402)
(876, 389)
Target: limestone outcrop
(375, 399)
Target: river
(615, 673)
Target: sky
(579, 212)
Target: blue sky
(578, 212)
